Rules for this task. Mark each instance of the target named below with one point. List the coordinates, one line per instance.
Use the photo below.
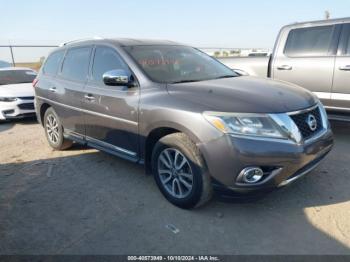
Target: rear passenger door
(308, 59)
(48, 77)
(341, 82)
(69, 93)
(111, 115)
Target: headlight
(261, 125)
(7, 99)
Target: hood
(17, 90)
(244, 95)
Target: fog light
(8, 112)
(250, 175)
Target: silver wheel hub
(175, 173)
(52, 129)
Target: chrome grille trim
(303, 110)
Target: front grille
(26, 106)
(26, 97)
(301, 121)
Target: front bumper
(288, 161)
(17, 109)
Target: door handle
(53, 89)
(89, 97)
(284, 67)
(345, 68)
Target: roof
(322, 22)
(135, 42)
(15, 68)
(121, 41)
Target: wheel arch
(42, 111)
(156, 133)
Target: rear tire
(180, 171)
(54, 131)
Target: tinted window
(313, 41)
(53, 62)
(76, 63)
(347, 43)
(8, 77)
(175, 64)
(106, 59)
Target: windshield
(8, 77)
(177, 64)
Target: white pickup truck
(314, 55)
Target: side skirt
(105, 147)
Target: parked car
(193, 122)
(16, 93)
(314, 55)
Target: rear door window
(106, 59)
(311, 41)
(347, 40)
(53, 62)
(76, 64)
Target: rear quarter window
(76, 63)
(311, 41)
(53, 62)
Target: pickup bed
(314, 55)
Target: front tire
(180, 171)
(54, 131)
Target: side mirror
(117, 78)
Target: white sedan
(16, 93)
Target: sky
(219, 23)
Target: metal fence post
(13, 59)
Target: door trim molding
(108, 145)
(90, 112)
(333, 96)
(101, 145)
(338, 108)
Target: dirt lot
(82, 201)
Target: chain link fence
(236, 52)
(31, 56)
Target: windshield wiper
(185, 81)
(225, 76)
(198, 80)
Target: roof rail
(79, 40)
(332, 20)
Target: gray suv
(196, 125)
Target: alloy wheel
(175, 173)
(52, 129)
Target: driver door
(111, 112)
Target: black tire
(201, 190)
(61, 142)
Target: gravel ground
(83, 201)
